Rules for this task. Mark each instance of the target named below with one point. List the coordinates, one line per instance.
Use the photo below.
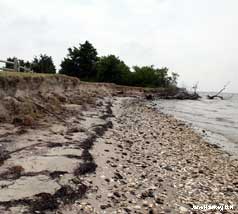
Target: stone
(103, 207)
(117, 194)
(183, 209)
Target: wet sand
(119, 156)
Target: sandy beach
(110, 152)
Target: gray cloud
(197, 39)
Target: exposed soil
(42, 167)
(45, 152)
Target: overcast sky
(195, 38)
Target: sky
(198, 39)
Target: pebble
(183, 209)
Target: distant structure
(16, 66)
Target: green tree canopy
(112, 69)
(148, 76)
(43, 64)
(81, 62)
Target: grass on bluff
(28, 75)
(25, 74)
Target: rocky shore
(151, 163)
(107, 152)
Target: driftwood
(195, 87)
(214, 96)
(47, 111)
(180, 95)
(26, 147)
(211, 97)
(184, 95)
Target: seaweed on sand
(85, 168)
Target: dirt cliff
(26, 97)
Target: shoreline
(224, 144)
(227, 143)
(137, 160)
(132, 177)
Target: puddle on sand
(27, 187)
(63, 151)
(90, 122)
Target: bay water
(217, 118)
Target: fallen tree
(211, 97)
(185, 95)
(176, 93)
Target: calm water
(218, 117)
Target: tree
(148, 76)
(81, 62)
(43, 64)
(144, 76)
(112, 69)
(174, 79)
(163, 80)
